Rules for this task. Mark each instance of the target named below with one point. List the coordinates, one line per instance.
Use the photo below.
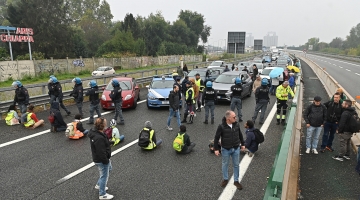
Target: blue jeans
(94, 107)
(172, 112)
(236, 102)
(328, 136)
(104, 176)
(312, 133)
(118, 111)
(272, 89)
(357, 168)
(209, 105)
(22, 108)
(235, 155)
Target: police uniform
(116, 97)
(77, 93)
(282, 102)
(209, 98)
(55, 92)
(236, 99)
(21, 98)
(262, 100)
(94, 99)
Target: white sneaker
(106, 196)
(307, 150)
(169, 128)
(315, 151)
(98, 187)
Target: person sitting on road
(75, 129)
(12, 117)
(147, 137)
(58, 124)
(116, 137)
(31, 120)
(211, 146)
(250, 143)
(342, 95)
(182, 143)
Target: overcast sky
(293, 21)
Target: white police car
(159, 90)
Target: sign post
(18, 35)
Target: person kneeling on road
(31, 120)
(182, 143)
(116, 138)
(58, 124)
(75, 129)
(147, 137)
(250, 143)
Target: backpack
(51, 118)
(259, 136)
(354, 123)
(71, 129)
(144, 138)
(178, 143)
(108, 132)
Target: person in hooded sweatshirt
(58, 124)
(250, 143)
(101, 153)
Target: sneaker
(250, 154)
(307, 150)
(106, 196)
(322, 150)
(314, 151)
(329, 149)
(238, 185)
(346, 157)
(98, 187)
(224, 183)
(240, 120)
(261, 123)
(121, 123)
(206, 122)
(338, 158)
(169, 128)
(68, 113)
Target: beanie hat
(317, 98)
(148, 124)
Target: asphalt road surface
(346, 73)
(35, 164)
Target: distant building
(249, 41)
(271, 39)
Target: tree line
(74, 28)
(350, 45)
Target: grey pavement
(322, 177)
(31, 168)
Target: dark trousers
(94, 107)
(188, 149)
(209, 105)
(118, 111)
(79, 106)
(58, 99)
(345, 139)
(328, 136)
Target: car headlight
(128, 97)
(103, 97)
(151, 97)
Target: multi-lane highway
(50, 166)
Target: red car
(130, 94)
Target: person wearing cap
(200, 84)
(78, 94)
(282, 95)
(255, 72)
(152, 136)
(262, 100)
(116, 97)
(55, 93)
(94, 99)
(257, 83)
(315, 118)
(180, 72)
(208, 100)
(21, 96)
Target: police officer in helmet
(55, 93)
(21, 96)
(94, 99)
(77, 93)
(116, 97)
(209, 97)
(236, 97)
(262, 100)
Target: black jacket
(236, 90)
(255, 72)
(78, 93)
(180, 88)
(115, 94)
(183, 85)
(230, 137)
(59, 120)
(93, 94)
(21, 96)
(79, 126)
(100, 147)
(55, 89)
(345, 119)
(262, 94)
(333, 112)
(315, 115)
(174, 100)
(209, 95)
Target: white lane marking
(348, 70)
(341, 67)
(339, 61)
(357, 74)
(47, 131)
(77, 172)
(334, 64)
(229, 191)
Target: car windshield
(266, 71)
(193, 73)
(125, 85)
(225, 78)
(162, 84)
(101, 69)
(215, 63)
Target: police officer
(236, 97)
(200, 83)
(77, 93)
(190, 101)
(262, 100)
(94, 99)
(55, 93)
(282, 94)
(209, 98)
(21, 96)
(116, 97)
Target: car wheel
(147, 104)
(134, 104)
(249, 95)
